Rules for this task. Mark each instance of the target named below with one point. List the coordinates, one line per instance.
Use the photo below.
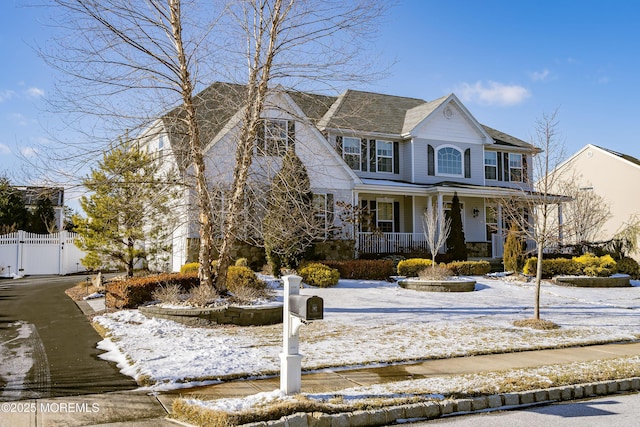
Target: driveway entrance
(47, 346)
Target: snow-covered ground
(369, 322)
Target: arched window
(449, 161)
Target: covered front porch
(392, 217)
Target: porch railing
(391, 243)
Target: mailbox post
(298, 310)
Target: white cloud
(35, 92)
(538, 76)
(6, 95)
(492, 93)
(29, 151)
(4, 149)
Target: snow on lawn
(368, 322)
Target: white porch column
(560, 224)
(355, 202)
(440, 201)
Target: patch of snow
(374, 322)
(242, 404)
(94, 296)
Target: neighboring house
(608, 174)
(391, 156)
(32, 194)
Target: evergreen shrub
(190, 267)
(469, 268)
(587, 264)
(411, 267)
(364, 269)
(320, 275)
(241, 278)
(628, 266)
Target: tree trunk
(536, 308)
(205, 255)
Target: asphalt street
(47, 346)
(620, 410)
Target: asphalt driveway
(47, 346)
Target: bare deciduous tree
(535, 212)
(436, 231)
(128, 61)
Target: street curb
(436, 409)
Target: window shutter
(396, 157)
(372, 156)
(330, 212)
(467, 163)
(339, 145)
(525, 169)
(363, 155)
(374, 214)
(499, 174)
(505, 163)
(396, 217)
(291, 134)
(431, 168)
(260, 137)
(361, 222)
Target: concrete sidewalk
(136, 408)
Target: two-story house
(390, 156)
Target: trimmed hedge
(469, 268)
(629, 266)
(190, 267)
(411, 267)
(587, 264)
(132, 292)
(320, 275)
(363, 269)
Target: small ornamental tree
(289, 226)
(129, 205)
(513, 256)
(456, 245)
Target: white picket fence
(23, 253)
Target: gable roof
(369, 112)
(626, 157)
(353, 110)
(502, 138)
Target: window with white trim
(385, 216)
(515, 167)
(449, 161)
(384, 156)
(351, 152)
(274, 137)
(490, 165)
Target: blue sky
(508, 61)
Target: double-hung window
(385, 216)
(490, 165)
(449, 161)
(515, 167)
(384, 154)
(351, 152)
(275, 136)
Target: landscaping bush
(412, 267)
(132, 292)
(243, 277)
(363, 269)
(594, 266)
(169, 294)
(191, 267)
(552, 267)
(242, 262)
(628, 266)
(469, 268)
(587, 264)
(320, 275)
